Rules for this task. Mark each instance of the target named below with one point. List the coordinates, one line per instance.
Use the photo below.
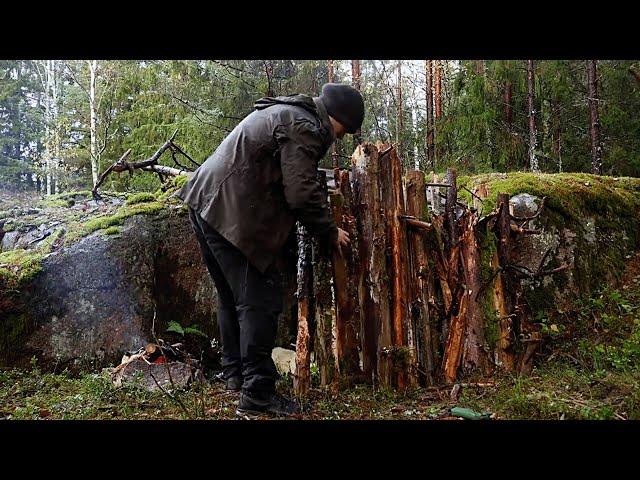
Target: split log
(453, 348)
(379, 278)
(351, 257)
(366, 204)
(473, 356)
(504, 355)
(324, 308)
(402, 333)
(345, 347)
(420, 273)
(302, 378)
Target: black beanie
(345, 104)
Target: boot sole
(243, 414)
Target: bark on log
(346, 325)
(302, 378)
(502, 301)
(379, 276)
(366, 203)
(324, 308)
(474, 357)
(420, 273)
(402, 333)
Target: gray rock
(524, 205)
(9, 240)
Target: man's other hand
(343, 241)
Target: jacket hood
(296, 99)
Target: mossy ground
(589, 369)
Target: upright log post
(452, 240)
(324, 308)
(402, 334)
(352, 323)
(420, 276)
(302, 378)
(366, 204)
(504, 356)
(345, 331)
(473, 356)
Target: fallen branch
(150, 164)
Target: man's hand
(343, 241)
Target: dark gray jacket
(263, 177)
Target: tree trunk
(95, 161)
(557, 136)
(508, 114)
(355, 79)
(429, 100)
(421, 277)
(533, 160)
(399, 122)
(594, 127)
(438, 89)
(334, 153)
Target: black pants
(249, 303)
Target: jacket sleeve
(301, 148)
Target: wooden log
(379, 276)
(366, 207)
(451, 250)
(302, 377)
(441, 264)
(351, 361)
(324, 308)
(345, 326)
(453, 348)
(402, 333)
(504, 355)
(419, 281)
(450, 207)
(473, 355)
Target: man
(244, 201)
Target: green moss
(12, 330)
(112, 231)
(67, 195)
(50, 203)
(18, 267)
(570, 194)
(487, 244)
(175, 184)
(141, 197)
(79, 230)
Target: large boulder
(108, 294)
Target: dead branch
(524, 231)
(150, 164)
(416, 222)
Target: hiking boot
(258, 404)
(232, 384)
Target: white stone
(285, 360)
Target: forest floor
(589, 368)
